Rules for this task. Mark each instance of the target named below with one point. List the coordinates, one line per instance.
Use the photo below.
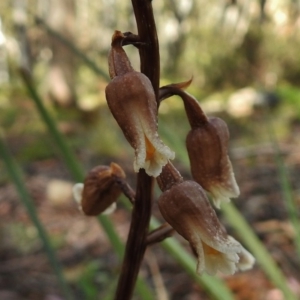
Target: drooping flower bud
(207, 146)
(100, 190)
(186, 208)
(131, 99)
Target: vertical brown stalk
(149, 52)
(136, 243)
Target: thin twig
(126, 189)
(159, 234)
(161, 291)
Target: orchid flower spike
(100, 191)
(131, 99)
(185, 206)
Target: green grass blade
(16, 176)
(249, 238)
(113, 236)
(78, 174)
(111, 290)
(68, 156)
(285, 185)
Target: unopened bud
(100, 190)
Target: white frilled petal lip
(227, 262)
(151, 153)
(218, 261)
(222, 190)
(246, 260)
(220, 255)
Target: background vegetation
(55, 126)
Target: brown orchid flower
(131, 99)
(185, 206)
(207, 146)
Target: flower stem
(159, 234)
(149, 50)
(136, 243)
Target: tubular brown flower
(131, 99)
(186, 208)
(207, 146)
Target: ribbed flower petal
(207, 145)
(215, 261)
(131, 99)
(186, 208)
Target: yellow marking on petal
(150, 150)
(210, 251)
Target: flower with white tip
(207, 146)
(131, 99)
(184, 205)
